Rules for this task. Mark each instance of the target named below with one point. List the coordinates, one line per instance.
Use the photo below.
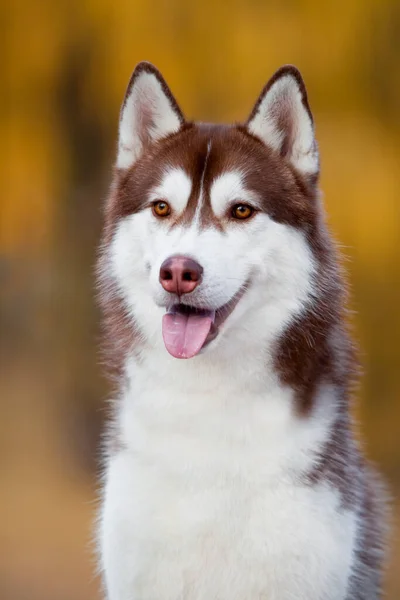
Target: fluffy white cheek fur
(259, 252)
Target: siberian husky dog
(231, 470)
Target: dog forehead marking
(227, 188)
(175, 187)
(200, 202)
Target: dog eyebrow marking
(200, 202)
(175, 187)
(228, 188)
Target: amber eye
(161, 208)
(242, 211)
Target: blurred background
(66, 67)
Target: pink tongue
(184, 334)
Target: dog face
(210, 227)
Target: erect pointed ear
(149, 112)
(283, 120)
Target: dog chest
(222, 494)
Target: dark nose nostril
(166, 275)
(190, 276)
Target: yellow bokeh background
(64, 75)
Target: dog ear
(282, 119)
(149, 113)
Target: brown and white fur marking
(232, 475)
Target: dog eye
(242, 211)
(161, 208)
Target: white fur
(284, 99)
(205, 502)
(147, 96)
(207, 498)
(175, 187)
(227, 189)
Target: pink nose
(180, 275)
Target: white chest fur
(207, 498)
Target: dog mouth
(187, 330)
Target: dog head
(211, 229)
